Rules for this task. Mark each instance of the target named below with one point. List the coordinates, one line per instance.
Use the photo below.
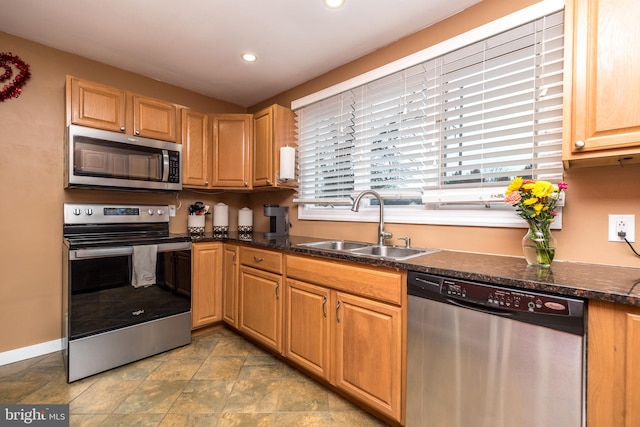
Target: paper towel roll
(245, 217)
(221, 215)
(287, 163)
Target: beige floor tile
(302, 395)
(253, 396)
(102, 397)
(246, 420)
(302, 419)
(57, 392)
(202, 397)
(133, 420)
(152, 397)
(233, 347)
(176, 369)
(220, 379)
(15, 391)
(189, 420)
(139, 370)
(77, 420)
(220, 368)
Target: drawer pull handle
(277, 290)
(338, 311)
(324, 306)
(258, 259)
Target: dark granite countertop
(590, 281)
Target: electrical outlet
(622, 223)
(172, 210)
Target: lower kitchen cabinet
(206, 283)
(344, 324)
(613, 365)
(231, 266)
(308, 319)
(260, 296)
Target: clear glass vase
(539, 245)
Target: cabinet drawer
(261, 259)
(379, 283)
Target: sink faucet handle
(384, 235)
(407, 241)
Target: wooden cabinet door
(206, 285)
(195, 149)
(153, 118)
(231, 144)
(260, 307)
(231, 267)
(308, 319)
(604, 102)
(273, 127)
(613, 365)
(95, 105)
(263, 148)
(368, 352)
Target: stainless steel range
(126, 286)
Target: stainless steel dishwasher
(480, 355)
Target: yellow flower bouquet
(535, 202)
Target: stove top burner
(97, 225)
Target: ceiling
(197, 44)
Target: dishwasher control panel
(486, 295)
(510, 299)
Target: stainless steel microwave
(99, 158)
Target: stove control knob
(89, 211)
(160, 212)
(77, 211)
(150, 212)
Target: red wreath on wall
(14, 88)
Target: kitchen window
(440, 139)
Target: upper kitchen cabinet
(216, 150)
(95, 105)
(231, 144)
(154, 119)
(602, 124)
(274, 127)
(104, 107)
(196, 149)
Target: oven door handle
(123, 251)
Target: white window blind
(472, 118)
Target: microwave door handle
(165, 165)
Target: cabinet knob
(137, 132)
(579, 144)
(206, 183)
(122, 129)
(246, 184)
(268, 182)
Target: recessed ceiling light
(333, 4)
(249, 57)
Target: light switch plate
(172, 210)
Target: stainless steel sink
(368, 249)
(336, 245)
(391, 252)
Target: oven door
(101, 297)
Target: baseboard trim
(28, 352)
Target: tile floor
(219, 380)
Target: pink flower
(513, 198)
(562, 185)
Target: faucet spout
(382, 235)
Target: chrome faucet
(382, 235)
